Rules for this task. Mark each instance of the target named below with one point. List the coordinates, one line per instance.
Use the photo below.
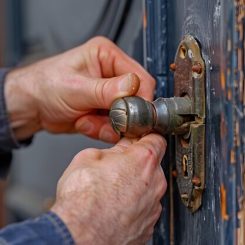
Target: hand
(65, 93)
(113, 196)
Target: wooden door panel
(219, 27)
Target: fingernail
(129, 83)
(86, 127)
(106, 136)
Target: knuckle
(100, 92)
(89, 154)
(100, 39)
(148, 152)
(154, 143)
(102, 43)
(160, 141)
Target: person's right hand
(66, 93)
(112, 196)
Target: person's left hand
(112, 196)
(70, 92)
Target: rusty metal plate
(189, 80)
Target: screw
(197, 68)
(196, 181)
(172, 67)
(174, 173)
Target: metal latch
(189, 80)
(182, 115)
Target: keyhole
(184, 165)
(182, 52)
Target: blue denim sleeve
(44, 230)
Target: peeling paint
(239, 120)
(144, 20)
(222, 80)
(223, 127)
(217, 12)
(223, 203)
(232, 157)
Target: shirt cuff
(46, 229)
(7, 139)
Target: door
(218, 27)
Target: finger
(97, 127)
(124, 144)
(100, 93)
(147, 82)
(148, 153)
(150, 146)
(121, 64)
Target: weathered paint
(219, 27)
(223, 203)
(156, 62)
(239, 68)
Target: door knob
(134, 117)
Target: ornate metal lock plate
(182, 115)
(189, 80)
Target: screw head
(172, 67)
(196, 181)
(197, 68)
(174, 173)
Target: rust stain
(232, 156)
(222, 80)
(223, 128)
(237, 134)
(223, 203)
(229, 94)
(239, 138)
(144, 20)
(174, 173)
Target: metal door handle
(134, 117)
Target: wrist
(78, 228)
(21, 104)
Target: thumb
(100, 93)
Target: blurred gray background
(36, 29)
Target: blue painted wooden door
(219, 27)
